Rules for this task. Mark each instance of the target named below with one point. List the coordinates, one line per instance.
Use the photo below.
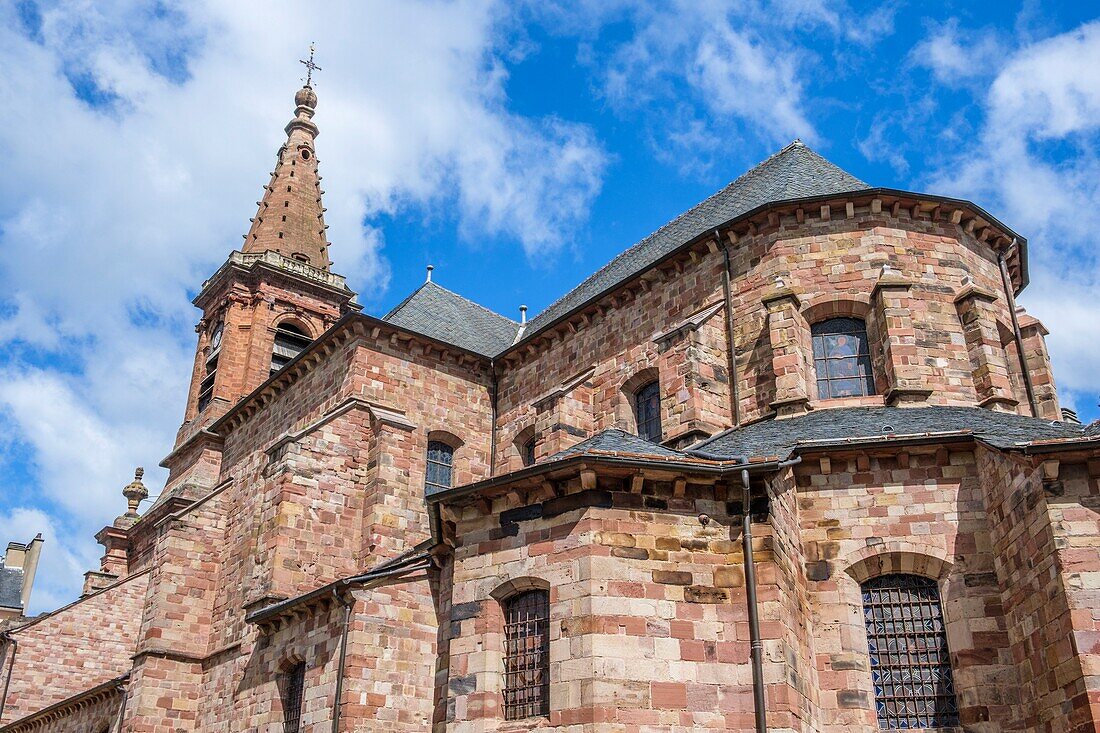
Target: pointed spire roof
(291, 219)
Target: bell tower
(277, 293)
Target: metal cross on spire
(310, 67)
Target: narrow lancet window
(293, 689)
(647, 412)
(440, 466)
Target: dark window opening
(206, 386)
(529, 452)
(289, 342)
(293, 688)
(910, 664)
(440, 464)
(527, 655)
(842, 358)
(647, 412)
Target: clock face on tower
(216, 338)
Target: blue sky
(516, 146)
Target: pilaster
(790, 361)
(893, 315)
(987, 356)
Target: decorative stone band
(282, 262)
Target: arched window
(910, 665)
(290, 340)
(647, 411)
(293, 688)
(527, 655)
(206, 387)
(842, 358)
(528, 452)
(440, 466)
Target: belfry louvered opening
(910, 664)
(527, 655)
(290, 340)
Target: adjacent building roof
(620, 442)
(781, 438)
(448, 317)
(794, 172)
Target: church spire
(291, 219)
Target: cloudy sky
(516, 146)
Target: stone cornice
(45, 716)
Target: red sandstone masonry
(76, 648)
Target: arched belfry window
(910, 664)
(527, 655)
(440, 468)
(647, 412)
(842, 358)
(290, 340)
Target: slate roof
(11, 587)
(448, 317)
(780, 438)
(794, 172)
(614, 440)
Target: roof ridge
(463, 298)
(748, 175)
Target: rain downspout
(348, 603)
(756, 645)
(1016, 330)
(731, 359)
(493, 417)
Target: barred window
(647, 412)
(527, 655)
(842, 358)
(293, 687)
(910, 665)
(440, 464)
(289, 342)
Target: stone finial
(135, 492)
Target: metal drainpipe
(343, 659)
(756, 646)
(14, 646)
(121, 708)
(1016, 331)
(735, 402)
(493, 417)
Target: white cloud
(1033, 161)
(956, 60)
(112, 213)
(59, 562)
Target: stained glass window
(910, 665)
(647, 412)
(294, 686)
(440, 463)
(527, 655)
(842, 358)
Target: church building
(793, 462)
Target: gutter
(752, 213)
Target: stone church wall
(75, 648)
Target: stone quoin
(445, 520)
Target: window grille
(527, 655)
(289, 342)
(842, 358)
(910, 664)
(294, 687)
(440, 464)
(647, 412)
(529, 452)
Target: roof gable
(448, 317)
